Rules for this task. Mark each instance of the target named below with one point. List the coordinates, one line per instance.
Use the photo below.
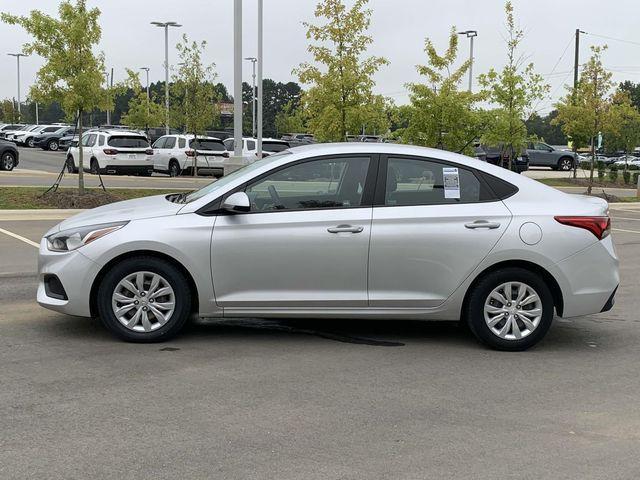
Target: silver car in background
(357, 230)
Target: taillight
(599, 226)
(149, 151)
(110, 151)
(191, 153)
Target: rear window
(274, 146)
(128, 142)
(204, 144)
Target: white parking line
(626, 231)
(18, 237)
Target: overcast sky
(398, 28)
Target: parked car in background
(9, 156)
(28, 138)
(112, 152)
(154, 133)
(495, 156)
(626, 161)
(51, 140)
(7, 127)
(601, 158)
(542, 155)
(8, 134)
(175, 155)
(250, 149)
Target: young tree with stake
(72, 73)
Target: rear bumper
(125, 169)
(590, 279)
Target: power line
(613, 38)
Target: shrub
(626, 176)
(601, 173)
(634, 167)
(600, 165)
(635, 178)
(613, 174)
(584, 165)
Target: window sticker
(451, 180)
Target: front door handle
(482, 224)
(345, 229)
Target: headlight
(74, 238)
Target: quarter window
(182, 143)
(422, 182)
(326, 183)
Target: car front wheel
(510, 309)
(144, 299)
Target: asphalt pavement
(303, 399)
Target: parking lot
(309, 399)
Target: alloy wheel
(513, 310)
(8, 162)
(143, 301)
(53, 145)
(566, 164)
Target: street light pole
(471, 34)
(146, 69)
(260, 96)
(166, 26)
(18, 55)
(253, 61)
(106, 76)
(237, 78)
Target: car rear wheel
(565, 164)
(53, 145)
(30, 142)
(71, 168)
(8, 161)
(510, 309)
(144, 299)
(94, 167)
(174, 168)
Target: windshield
(212, 187)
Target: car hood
(139, 208)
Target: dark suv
(8, 155)
(494, 155)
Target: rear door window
(251, 145)
(122, 141)
(170, 143)
(274, 146)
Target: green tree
(195, 99)
(441, 115)
(544, 127)
(291, 119)
(72, 73)
(8, 112)
(633, 89)
(340, 98)
(142, 111)
(625, 122)
(513, 90)
(586, 112)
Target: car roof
(190, 136)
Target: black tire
(53, 145)
(474, 311)
(173, 276)
(8, 161)
(565, 164)
(94, 167)
(174, 169)
(71, 168)
(30, 142)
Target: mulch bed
(67, 198)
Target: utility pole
(166, 26)
(260, 61)
(18, 55)
(471, 34)
(146, 69)
(253, 61)
(574, 94)
(237, 78)
(37, 116)
(106, 76)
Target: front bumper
(75, 272)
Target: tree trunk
(575, 163)
(80, 156)
(593, 157)
(195, 154)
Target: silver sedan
(340, 231)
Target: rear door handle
(345, 229)
(482, 224)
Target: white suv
(250, 147)
(113, 151)
(175, 155)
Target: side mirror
(237, 203)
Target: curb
(38, 214)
